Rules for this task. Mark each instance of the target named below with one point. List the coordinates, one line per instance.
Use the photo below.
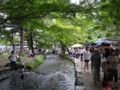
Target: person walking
(96, 63)
(107, 53)
(111, 67)
(91, 51)
(81, 53)
(86, 57)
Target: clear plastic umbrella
(76, 45)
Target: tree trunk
(13, 46)
(21, 41)
(28, 42)
(31, 42)
(64, 47)
(12, 42)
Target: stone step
(83, 88)
(79, 81)
(79, 76)
(4, 70)
(4, 76)
(78, 69)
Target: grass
(4, 58)
(35, 63)
(30, 62)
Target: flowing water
(53, 74)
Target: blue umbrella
(101, 43)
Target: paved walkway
(87, 79)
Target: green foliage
(35, 63)
(59, 20)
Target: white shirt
(87, 55)
(30, 52)
(14, 57)
(81, 51)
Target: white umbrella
(76, 46)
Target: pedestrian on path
(96, 63)
(92, 52)
(81, 53)
(107, 53)
(119, 66)
(87, 57)
(111, 68)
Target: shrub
(35, 63)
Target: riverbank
(5, 71)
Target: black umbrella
(101, 43)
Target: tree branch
(54, 10)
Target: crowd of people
(107, 59)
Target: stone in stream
(78, 70)
(79, 75)
(79, 81)
(83, 88)
(7, 65)
(4, 70)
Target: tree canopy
(44, 22)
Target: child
(107, 85)
(77, 60)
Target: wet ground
(53, 74)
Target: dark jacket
(96, 60)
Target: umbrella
(102, 43)
(114, 43)
(76, 46)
